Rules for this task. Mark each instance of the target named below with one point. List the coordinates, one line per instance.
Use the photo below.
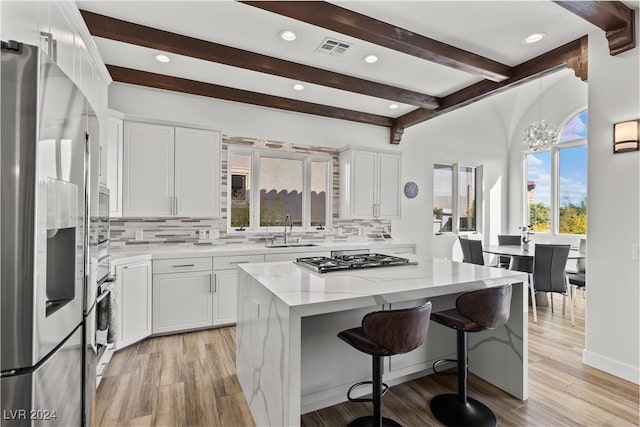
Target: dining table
(522, 260)
(519, 251)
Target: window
(265, 187)
(454, 198)
(556, 193)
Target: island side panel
(267, 353)
(501, 356)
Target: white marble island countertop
(289, 360)
(311, 293)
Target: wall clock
(411, 189)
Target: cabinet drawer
(179, 265)
(229, 262)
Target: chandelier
(539, 135)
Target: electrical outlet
(139, 235)
(636, 252)
(214, 233)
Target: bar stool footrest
(385, 388)
(449, 410)
(439, 361)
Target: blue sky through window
(572, 167)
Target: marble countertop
(158, 252)
(314, 293)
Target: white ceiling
(494, 29)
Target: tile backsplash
(213, 231)
(189, 232)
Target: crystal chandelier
(539, 135)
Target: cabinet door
(148, 174)
(363, 184)
(182, 301)
(196, 157)
(225, 297)
(113, 156)
(388, 178)
(135, 306)
(65, 41)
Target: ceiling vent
(333, 47)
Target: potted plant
(526, 237)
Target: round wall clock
(411, 189)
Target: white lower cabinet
(225, 297)
(182, 301)
(134, 302)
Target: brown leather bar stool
(385, 333)
(475, 311)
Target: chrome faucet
(287, 219)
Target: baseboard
(611, 366)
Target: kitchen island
(289, 360)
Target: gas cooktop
(323, 264)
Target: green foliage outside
(273, 215)
(239, 209)
(540, 217)
(573, 218)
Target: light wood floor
(189, 379)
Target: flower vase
(525, 246)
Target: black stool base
(370, 421)
(449, 411)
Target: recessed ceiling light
(370, 59)
(162, 58)
(287, 35)
(393, 106)
(533, 38)
(298, 86)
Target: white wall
(236, 119)
(477, 134)
(612, 323)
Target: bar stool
(385, 333)
(475, 311)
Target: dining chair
(507, 240)
(549, 263)
(579, 278)
(471, 251)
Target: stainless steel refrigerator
(44, 235)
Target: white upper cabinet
(170, 171)
(369, 184)
(148, 170)
(196, 172)
(388, 176)
(111, 156)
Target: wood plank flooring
(189, 380)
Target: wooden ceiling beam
(128, 32)
(573, 55)
(177, 84)
(614, 17)
(345, 21)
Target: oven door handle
(103, 295)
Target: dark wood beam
(177, 84)
(363, 27)
(128, 32)
(573, 55)
(614, 17)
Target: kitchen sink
(289, 245)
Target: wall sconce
(626, 136)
